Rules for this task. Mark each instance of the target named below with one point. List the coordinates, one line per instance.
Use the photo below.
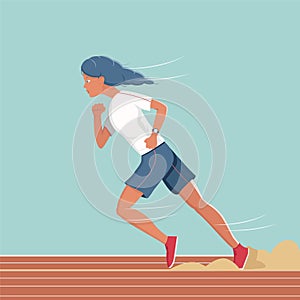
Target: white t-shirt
(126, 117)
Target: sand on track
(284, 257)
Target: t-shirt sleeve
(142, 101)
(109, 126)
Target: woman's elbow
(164, 109)
(100, 143)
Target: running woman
(103, 75)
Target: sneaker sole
(174, 258)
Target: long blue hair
(114, 73)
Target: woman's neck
(110, 91)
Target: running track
(136, 277)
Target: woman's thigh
(153, 167)
(178, 176)
(128, 197)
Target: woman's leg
(192, 197)
(127, 199)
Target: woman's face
(93, 85)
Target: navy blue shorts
(161, 163)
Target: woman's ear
(101, 79)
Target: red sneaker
(240, 255)
(171, 250)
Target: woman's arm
(161, 113)
(101, 134)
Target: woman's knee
(192, 196)
(123, 207)
(119, 210)
(127, 199)
(194, 200)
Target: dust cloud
(285, 256)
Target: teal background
(242, 56)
